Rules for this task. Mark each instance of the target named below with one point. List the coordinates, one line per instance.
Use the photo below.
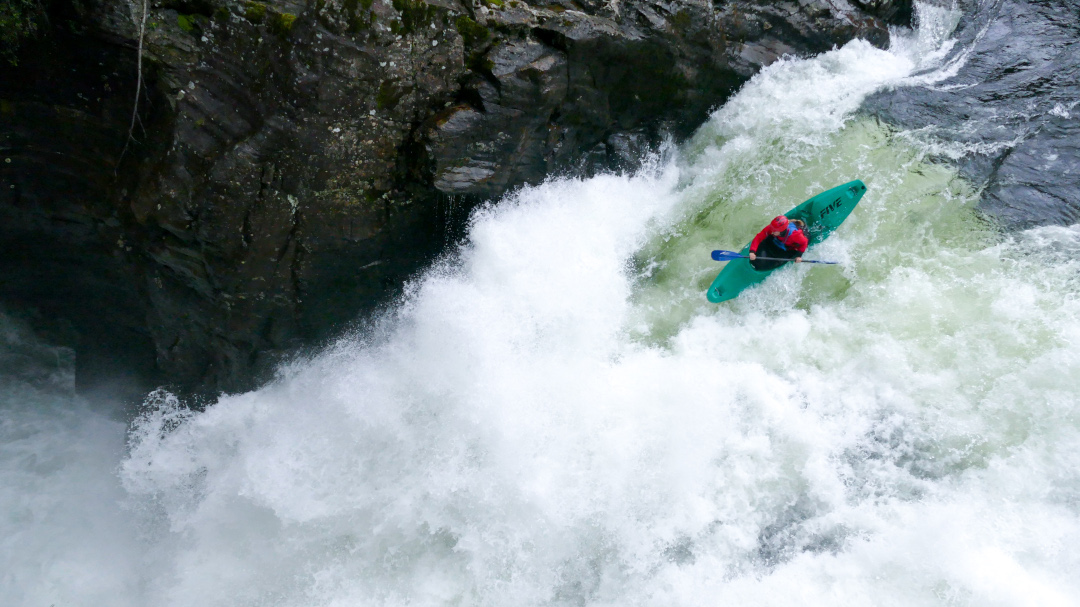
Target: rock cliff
(1007, 113)
(291, 163)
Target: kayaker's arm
(764, 233)
(800, 248)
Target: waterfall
(555, 415)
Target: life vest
(785, 238)
(791, 239)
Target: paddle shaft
(776, 258)
(729, 255)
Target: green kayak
(822, 213)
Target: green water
(913, 209)
(559, 417)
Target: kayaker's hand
(798, 260)
(752, 256)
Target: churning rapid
(554, 415)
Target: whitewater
(553, 414)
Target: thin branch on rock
(138, 82)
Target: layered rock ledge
(293, 162)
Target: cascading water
(554, 415)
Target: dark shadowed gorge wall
(294, 162)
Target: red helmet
(779, 224)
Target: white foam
(531, 427)
(64, 540)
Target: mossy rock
(192, 24)
(415, 14)
(282, 23)
(682, 19)
(19, 20)
(255, 12)
(359, 15)
(353, 6)
(472, 33)
(388, 96)
(479, 63)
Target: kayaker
(782, 238)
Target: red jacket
(791, 239)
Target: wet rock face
(295, 162)
(64, 247)
(1012, 107)
(610, 83)
(894, 12)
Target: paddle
(730, 255)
